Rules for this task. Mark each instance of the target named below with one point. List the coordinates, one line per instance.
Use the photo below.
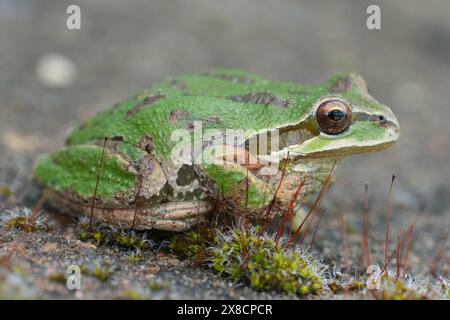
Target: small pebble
(56, 71)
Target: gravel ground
(122, 49)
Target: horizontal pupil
(336, 115)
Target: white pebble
(56, 71)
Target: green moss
(23, 219)
(18, 269)
(445, 289)
(398, 290)
(102, 272)
(128, 240)
(157, 284)
(76, 168)
(134, 258)
(23, 223)
(85, 233)
(337, 287)
(243, 256)
(133, 295)
(193, 243)
(355, 285)
(103, 236)
(5, 191)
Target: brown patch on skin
(213, 119)
(145, 166)
(343, 84)
(264, 98)
(288, 188)
(175, 115)
(299, 92)
(145, 103)
(233, 78)
(146, 143)
(190, 125)
(178, 84)
(254, 164)
(116, 138)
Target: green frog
(223, 141)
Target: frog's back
(218, 98)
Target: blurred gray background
(124, 46)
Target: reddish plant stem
(386, 245)
(440, 252)
(397, 265)
(246, 179)
(386, 265)
(445, 269)
(403, 238)
(94, 198)
(308, 226)
(136, 208)
(288, 214)
(316, 204)
(272, 203)
(317, 229)
(345, 249)
(408, 248)
(365, 239)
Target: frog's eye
(333, 116)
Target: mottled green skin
(206, 96)
(227, 179)
(220, 99)
(76, 168)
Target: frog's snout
(392, 125)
